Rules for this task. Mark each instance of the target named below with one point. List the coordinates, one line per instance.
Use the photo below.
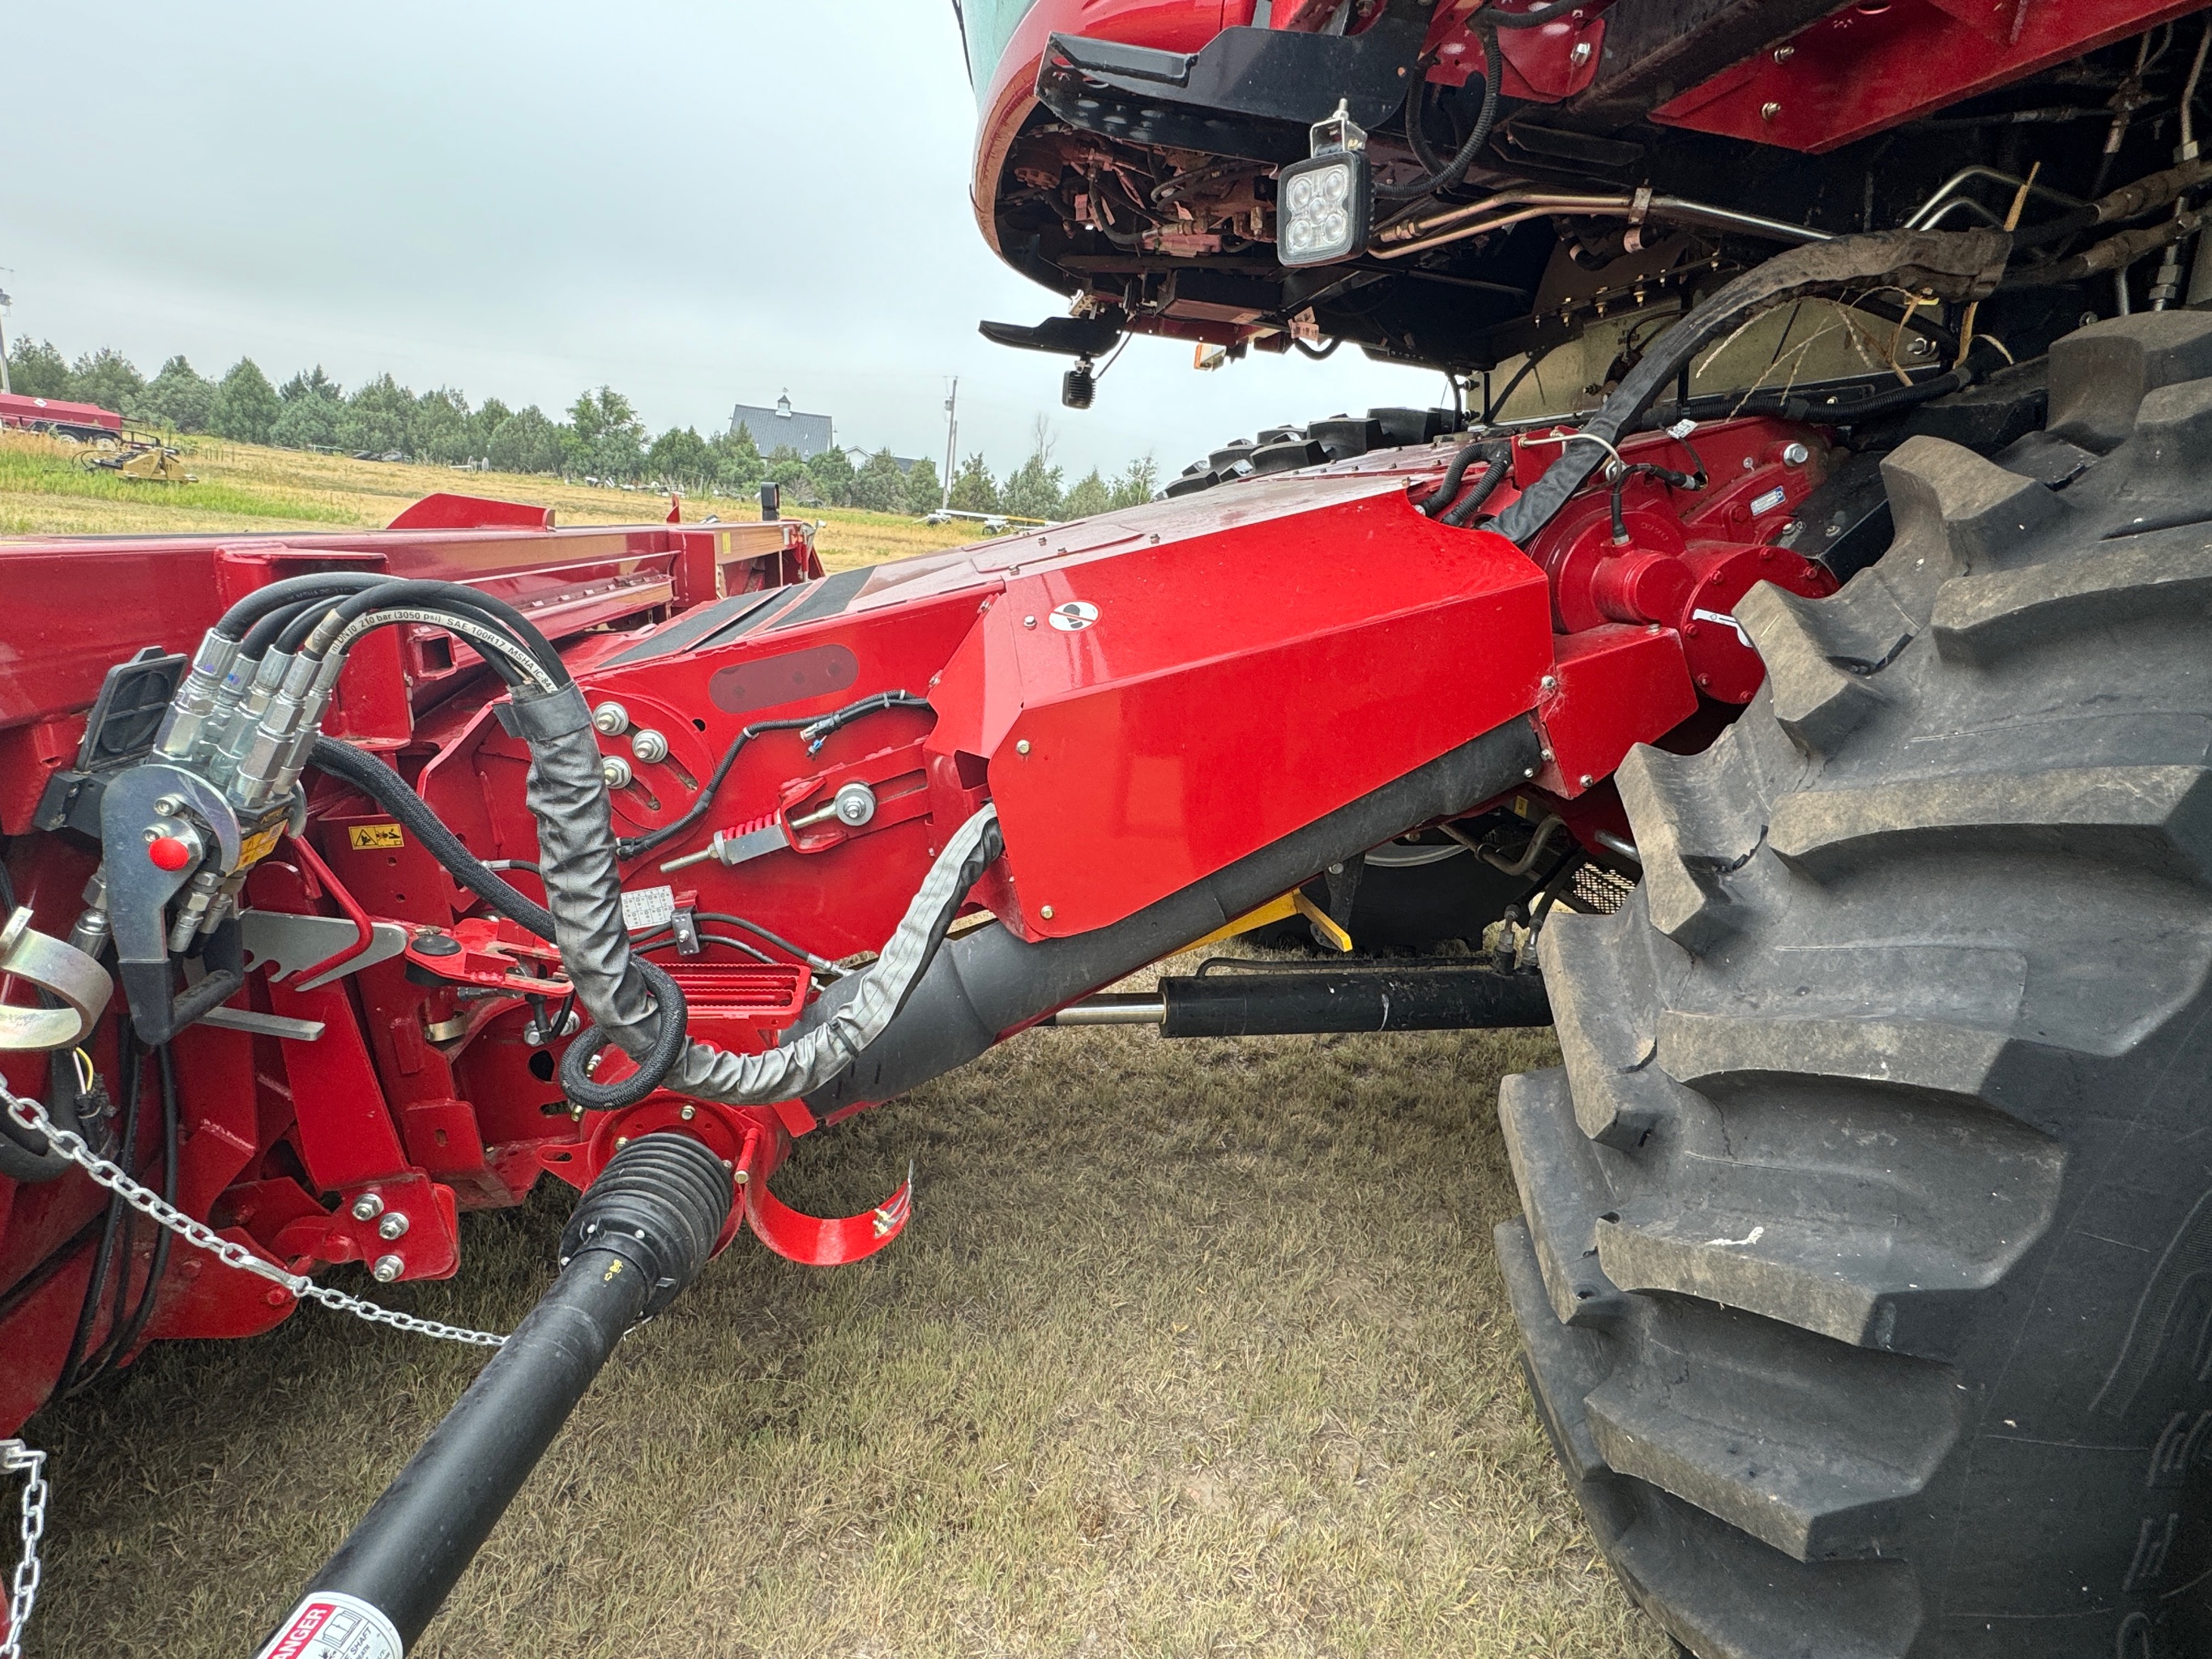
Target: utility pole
(951, 437)
(4, 387)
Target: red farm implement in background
(1817, 740)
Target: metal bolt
(169, 805)
(610, 720)
(1021, 747)
(1588, 780)
(1783, 54)
(854, 804)
(1029, 622)
(621, 1141)
(1549, 683)
(392, 1226)
(648, 746)
(387, 1269)
(1795, 455)
(1581, 54)
(367, 1206)
(616, 770)
(1768, 112)
(1045, 910)
(690, 1112)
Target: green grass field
(1191, 1349)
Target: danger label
(374, 837)
(331, 1625)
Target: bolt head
(1021, 747)
(610, 720)
(169, 805)
(649, 746)
(392, 1226)
(1549, 683)
(1768, 112)
(387, 1269)
(621, 1141)
(1029, 622)
(1581, 54)
(690, 1112)
(1588, 780)
(367, 1206)
(1045, 910)
(1783, 54)
(616, 770)
(1795, 455)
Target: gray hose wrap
(568, 796)
(818, 1053)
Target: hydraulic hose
(279, 595)
(577, 1081)
(450, 595)
(389, 790)
(1951, 264)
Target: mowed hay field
(1190, 1349)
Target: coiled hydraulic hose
(577, 1081)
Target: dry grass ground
(1191, 1349)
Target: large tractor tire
(1866, 1276)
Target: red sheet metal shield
(1150, 712)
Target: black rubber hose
(1445, 177)
(277, 595)
(271, 624)
(668, 1040)
(1446, 489)
(1499, 469)
(299, 622)
(431, 594)
(389, 790)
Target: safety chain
(16, 1458)
(198, 1234)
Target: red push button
(169, 853)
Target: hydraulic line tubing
(1238, 1004)
(639, 1236)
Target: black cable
(164, 1062)
(1528, 20)
(668, 1038)
(1665, 474)
(776, 939)
(1448, 175)
(1318, 354)
(658, 942)
(365, 773)
(816, 729)
(129, 1079)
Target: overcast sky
(699, 203)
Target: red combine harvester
(1828, 759)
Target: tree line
(601, 441)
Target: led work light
(1322, 204)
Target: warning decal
(371, 837)
(331, 1625)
